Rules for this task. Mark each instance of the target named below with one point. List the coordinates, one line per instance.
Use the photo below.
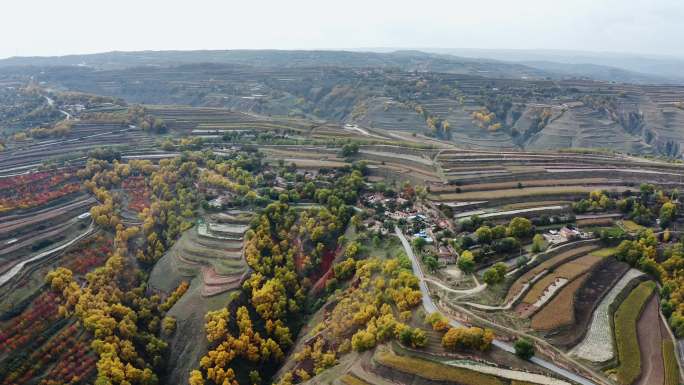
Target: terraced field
(586, 299)
(44, 214)
(531, 276)
(545, 288)
(516, 177)
(597, 345)
(407, 369)
(559, 311)
(211, 250)
(630, 360)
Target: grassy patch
(670, 361)
(626, 317)
(631, 226)
(516, 382)
(435, 371)
(605, 252)
(348, 379)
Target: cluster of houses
(565, 234)
(419, 221)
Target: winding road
(430, 307)
(7, 276)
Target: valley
(264, 217)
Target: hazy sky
(49, 27)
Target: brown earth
(601, 279)
(650, 333)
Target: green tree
(350, 149)
(431, 263)
(537, 243)
(524, 348)
(519, 227)
(498, 232)
(495, 274)
(419, 243)
(484, 234)
(466, 262)
(668, 212)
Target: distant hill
(476, 103)
(621, 67)
(403, 60)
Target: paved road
(7, 276)
(430, 307)
(480, 287)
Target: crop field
(600, 281)
(560, 311)
(467, 187)
(626, 338)
(543, 268)
(595, 222)
(597, 345)
(553, 191)
(39, 341)
(349, 379)
(36, 189)
(670, 363)
(434, 371)
(651, 336)
(84, 137)
(631, 226)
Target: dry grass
(605, 252)
(670, 362)
(626, 317)
(546, 265)
(560, 311)
(572, 270)
(531, 205)
(348, 379)
(435, 371)
(631, 226)
(595, 222)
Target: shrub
(495, 274)
(537, 243)
(524, 348)
(415, 337)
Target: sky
(46, 28)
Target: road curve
(7, 276)
(430, 307)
